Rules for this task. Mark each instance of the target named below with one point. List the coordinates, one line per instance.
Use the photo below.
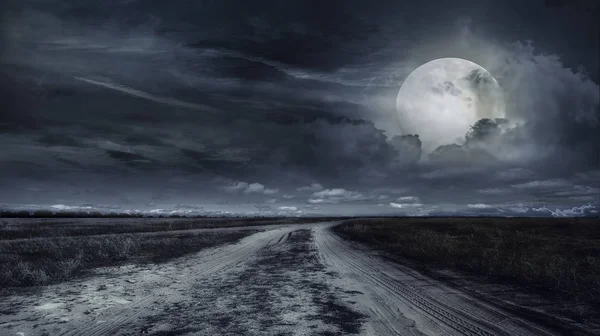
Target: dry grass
(18, 228)
(41, 261)
(560, 256)
(40, 251)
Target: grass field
(44, 251)
(558, 256)
(18, 228)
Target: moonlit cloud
(188, 109)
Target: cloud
(451, 172)
(102, 206)
(236, 186)
(579, 190)
(63, 207)
(311, 207)
(405, 205)
(543, 184)
(408, 148)
(494, 191)
(552, 113)
(514, 174)
(413, 199)
(538, 86)
(145, 95)
(287, 208)
(311, 188)
(213, 160)
(387, 190)
(160, 197)
(348, 149)
(457, 155)
(128, 158)
(254, 188)
(589, 176)
(51, 139)
(331, 192)
(479, 206)
(248, 188)
(174, 105)
(337, 195)
(578, 211)
(180, 209)
(189, 207)
(262, 207)
(589, 198)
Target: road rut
(299, 279)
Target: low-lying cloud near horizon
(271, 110)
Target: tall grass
(560, 256)
(41, 261)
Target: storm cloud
(289, 108)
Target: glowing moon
(441, 99)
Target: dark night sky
(288, 107)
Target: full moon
(442, 98)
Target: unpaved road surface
(286, 280)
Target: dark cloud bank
(274, 108)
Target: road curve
(400, 301)
(205, 264)
(299, 279)
(117, 301)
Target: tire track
(282, 291)
(283, 263)
(205, 264)
(431, 307)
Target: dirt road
(287, 280)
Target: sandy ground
(286, 280)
